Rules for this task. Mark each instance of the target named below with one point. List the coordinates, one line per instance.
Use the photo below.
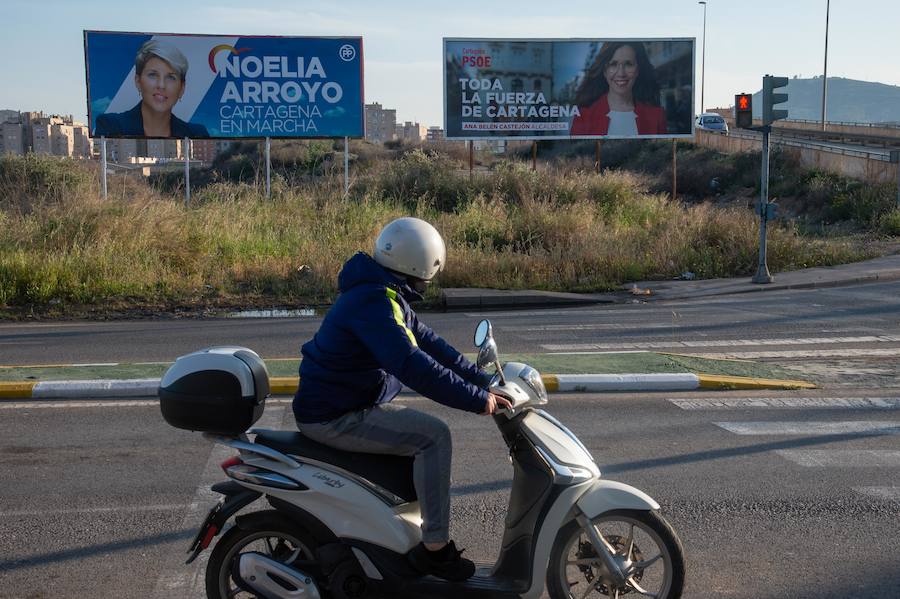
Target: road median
(597, 373)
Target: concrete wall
(858, 167)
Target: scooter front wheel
(646, 547)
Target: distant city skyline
(44, 68)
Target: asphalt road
(845, 312)
(791, 498)
(101, 500)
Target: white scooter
(342, 522)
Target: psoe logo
(220, 48)
(347, 52)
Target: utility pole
(703, 63)
(825, 70)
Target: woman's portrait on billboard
(160, 75)
(619, 95)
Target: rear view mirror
(482, 332)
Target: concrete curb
(555, 383)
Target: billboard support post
(534, 155)
(103, 166)
(762, 270)
(674, 169)
(471, 157)
(268, 168)
(187, 171)
(895, 158)
(597, 154)
(346, 166)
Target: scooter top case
(219, 390)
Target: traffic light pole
(762, 271)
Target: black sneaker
(446, 563)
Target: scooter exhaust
(264, 577)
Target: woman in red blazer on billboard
(619, 95)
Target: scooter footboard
(607, 495)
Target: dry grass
(511, 228)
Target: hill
(848, 100)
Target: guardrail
(846, 123)
(776, 139)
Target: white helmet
(412, 247)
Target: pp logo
(347, 52)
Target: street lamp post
(703, 64)
(825, 73)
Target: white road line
(889, 493)
(739, 403)
(617, 326)
(858, 427)
(177, 580)
(70, 405)
(808, 353)
(723, 343)
(96, 510)
(842, 458)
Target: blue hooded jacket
(371, 343)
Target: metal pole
(103, 166)
(674, 169)
(534, 155)
(895, 157)
(346, 166)
(703, 67)
(597, 152)
(762, 270)
(471, 157)
(268, 167)
(825, 70)
(187, 171)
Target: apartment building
(381, 123)
(435, 134)
(411, 132)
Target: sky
(43, 66)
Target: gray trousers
(398, 430)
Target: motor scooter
(341, 523)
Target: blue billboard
(153, 85)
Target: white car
(710, 121)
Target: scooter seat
(393, 473)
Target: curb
(560, 383)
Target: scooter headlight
(533, 379)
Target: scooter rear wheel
(643, 541)
(264, 532)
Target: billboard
(161, 85)
(568, 88)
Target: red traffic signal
(743, 111)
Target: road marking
(722, 343)
(737, 403)
(180, 581)
(842, 458)
(57, 404)
(858, 427)
(96, 510)
(889, 493)
(618, 326)
(808, 353)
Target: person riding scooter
(368, 346)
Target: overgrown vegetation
(560, 228)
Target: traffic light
(743, 111)
(770, 98)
